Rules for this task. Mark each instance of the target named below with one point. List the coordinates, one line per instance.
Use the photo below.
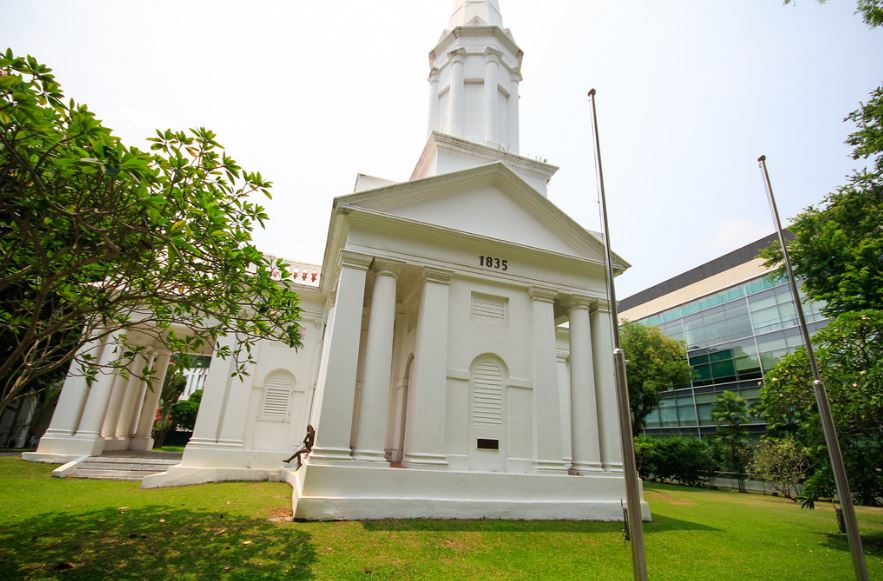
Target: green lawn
(86, 529)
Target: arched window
(488, 374)
(278, 388)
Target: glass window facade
(732, 336)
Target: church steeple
(467, 11)
(474, 74)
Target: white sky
(311, 93)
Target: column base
(550, 466)
(70, 446)
(329, 456)
(425, 461)
(370, 456)
(141, 444)
(586, 467)
(116, 444)
(613, 466)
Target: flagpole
(827, 419)
(634, 524)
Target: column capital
(580, 302)
(387, 267)
(457, 56)
(433, 75)
(542, 294)
(439, 275)
(492, 55)
(356, 260)
(601, 305)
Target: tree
(871, 10)
(730, 413)
(850, 357)
(837, 247)
(656, 363)
(783, 463)
(97, 239)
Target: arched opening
(488, 376)
(400, 412)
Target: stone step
(111, 474)
(133, 460)
(120, 466)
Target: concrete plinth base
(48, 458)
(66, 448)
(141, 444)
(356, 493)
(186, 475)
(204, 463)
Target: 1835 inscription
(493, 262)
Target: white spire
(474, 73)
(466, 11)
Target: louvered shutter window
(489, 309)
(487, 393)
(278, 388)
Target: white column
(605, 389)
(549, 457)
(585, 441)
(233, 416)
(456, 111)
(112, 413)
(425, 426)
(211, 407)
(143, 439)
(512, 136)
(374, 405)
(130, 397)
(433, 101)
(72, 399)
(142, 395)
(337, 387)
(490, 95)
(99, 394)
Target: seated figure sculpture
(305, 449)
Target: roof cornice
(450, 36)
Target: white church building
(457, 349)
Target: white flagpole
(855, 539)
(635, 526)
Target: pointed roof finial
(466, 11)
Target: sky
(690, 93)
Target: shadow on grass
(154, 542)
(659, 524)
(872, 542)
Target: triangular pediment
(489, 201)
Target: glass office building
(733, 335)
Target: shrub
(679, 459)
(184, 412)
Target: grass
(86, 529)
(169, 449)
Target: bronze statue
(305, 449)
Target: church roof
(438, 202)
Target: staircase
(120, 467)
